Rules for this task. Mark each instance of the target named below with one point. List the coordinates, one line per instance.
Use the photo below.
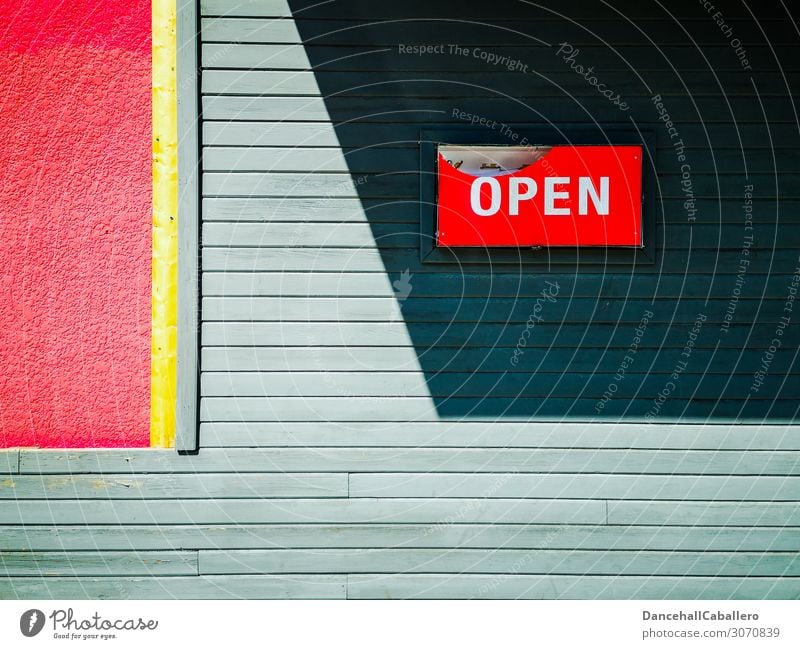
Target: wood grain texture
(724, 142)
(701, 513)
(433, 512)
(174, 485)
(81, 564)
(416, 460)
(564, 485)
(199, 587)
(565, 587)
(502, 434)
(39, 538)
(345, 408)
(502, 562)
(9, 461)
(447, 385)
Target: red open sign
(539, 196)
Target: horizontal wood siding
(531, 536)
(359, 441)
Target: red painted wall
(75, 218)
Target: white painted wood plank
(307, 210)
(311, 159)
(75, 564)
(416, 460)
(439, 512)
(261, 8)
(252, 360)
(292, 259)
(242, 587)
(377, 535)
(501, 561)
(346, 408)
(566, 587)
(289, 235)
(9, 461)
(278, 57)
(275, 159)
(261, 82)
(499, 434)
(236, 108)
(279, 184)
(189, 486)
(699, 513)
(315, 334)
(339, 408)
(564, 485)
(297, 284)
(245, 29)
(306, 384)
(270, 133)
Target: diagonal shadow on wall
(524, 338)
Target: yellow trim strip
(163, 374)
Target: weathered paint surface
(75, 219)
(163, 384)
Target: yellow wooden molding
(163, 368)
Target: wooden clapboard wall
(363, 432)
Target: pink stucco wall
(75, 215)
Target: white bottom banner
(396, 625)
